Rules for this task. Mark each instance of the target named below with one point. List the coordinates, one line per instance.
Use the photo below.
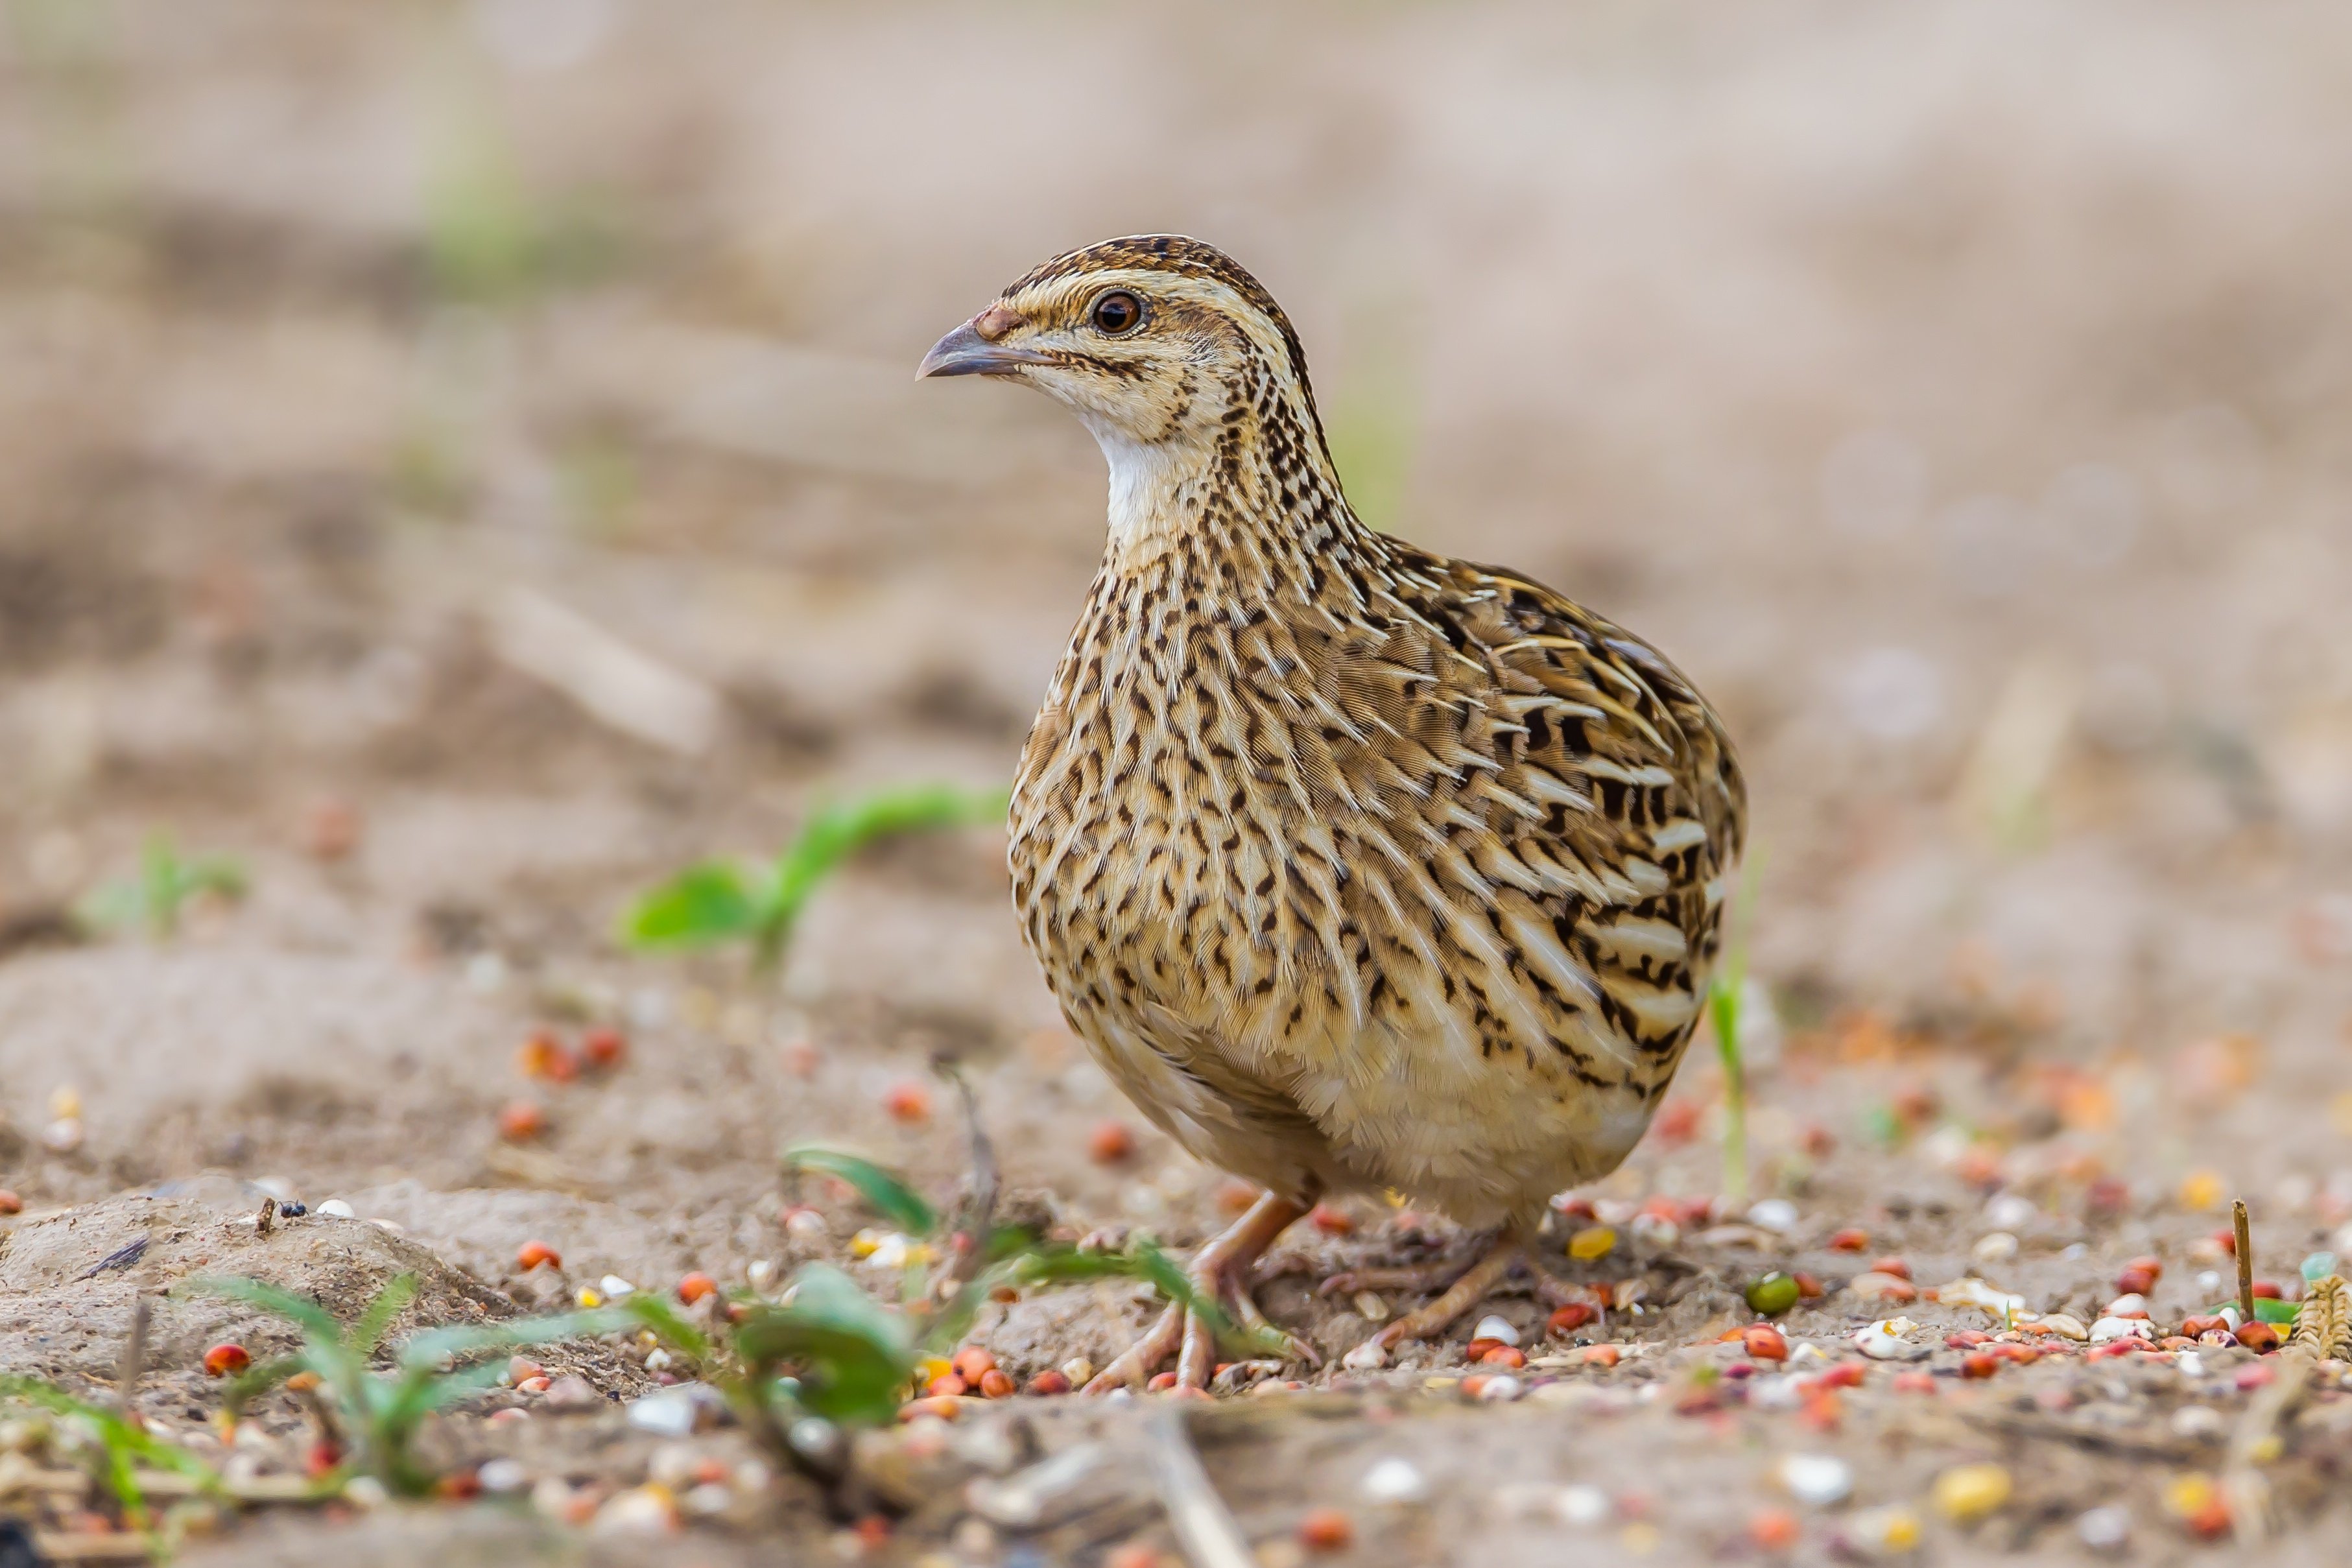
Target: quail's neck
(1248, 491)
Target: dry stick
(134, 1357)
(1204, 1526)
(2245, 1260)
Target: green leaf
(883, 1192)
(398, 1293)
(840, 830)
(671, 1324)
(854, 1358)
(701, 906)
(2272, 1310)
(434, 1347)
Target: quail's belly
(1327, 946)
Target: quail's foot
(1468, 1288)
(1220, 1273)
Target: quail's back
(1356, 866)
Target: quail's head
(1154, 340)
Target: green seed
(1772, 1295)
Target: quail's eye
(1116, 312)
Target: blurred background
(464, 460)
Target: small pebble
(1395, 1479)
(573, 1394)
(806, 1227)
(2127, 1306)
(1817, 1480)
(615, 1287)
(501, 1476)
(1079, 1370)
(1369, 1307)
(365, 1492)
(1969, 1492)
(1582, 1506)
(2103, 1529)
(2106, 1330)
(640, 1511)
(2009, 1212)
(62, 1136)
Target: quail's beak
(973, 349)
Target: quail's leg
(1219, 1272)
(1464, 1293)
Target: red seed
(521, 1369)
(1845, 1374)
(1851, 1239)
(2152, 1265)
(1476, 1351)
(908, 1102)
(1762, 1342)
(2107, 1196)
(1772, 1529)
(1821, 1410)
(2261, 1338)
(458, 1486)
(1504, 1356)
(1049, 1383)
(1914, 1382)
(1601, 1355)
(945, 1384)
(10, 1202)
(994, 1384)
(695, 1287)
(872, 1531)
(533, 1255)
(1571, 1317)
(1326, 1530)
(603, 1047)
(2227, 1240)
(2267, 1289)
(1808, 1286)
(522, 1121)
(224, 1358)
(1819, 1143)
(2250, 1378)
(2194, 1327)
(1894, 1266)
(1110, 1143)
(323, 1456)
(1330, 1221)
(1966, 1339)
(2135, 1282)
(972, 1363)
(330, 829)
(543, 1056)
(1134, 1555)
(1983, 1363)
(1161, 1383)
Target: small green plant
(720, 901)
(1723, 1008)
(165, 884)
(124, 1447)
(379, 1415)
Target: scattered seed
(907, 1102)
(1884, 1531)
(1369, 1307)
(1049, 1383)
(1773, 1529)
(522, 1121)
(1394, 1479)
(1762, 1342)
(995, 1384)
(1817, 1480)
(335, 1208)
(1330, 1221)
(223, 1359)
(1994, 1246)
(1874, 1286)
(1968, 1493)
(1850, 1240)
(603, 1048)
(1079, 1370)
(544, 1056)
(2104, 1529)
(1326, 1530)
(1110, 1144)
(1775, 1214)
(1772, 1295)
(1498, 1330)
(695, 1287)
(1566, 1320)
(1592, 1243)
(1884, 1341)
(533, 1255)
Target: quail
(1357, 868)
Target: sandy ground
(1957, 393)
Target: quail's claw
(1217, 1274)
(1134, 1365)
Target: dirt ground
(1957, 391)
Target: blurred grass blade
(397, 1294)
(854, 1358)
(885, 1193)
(702, 905)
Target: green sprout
(124, 1447)
(379, 1415)
(719, 902)
(1723, 1007)
(164, 885)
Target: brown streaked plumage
(1357, 866)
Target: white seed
(2006, 1211)
(335, 1208)
(1584, 1506)
(1775, 1214)
(806, 1226)
(1369, 1307)
(1394, 1479)
(2065, 1325)
(1883, 1341)
(2108, 1330)
(1817, 1480)
(708, 1500)
(365, 1492)
(658, 1361)
(1079, 1370)
(62, 1136)
(762, 1273)
(1994, 1246)
(1365, 1357)
(612, 1286)
(2131, 1304)
(2190, 1364)
(1495, 1328)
